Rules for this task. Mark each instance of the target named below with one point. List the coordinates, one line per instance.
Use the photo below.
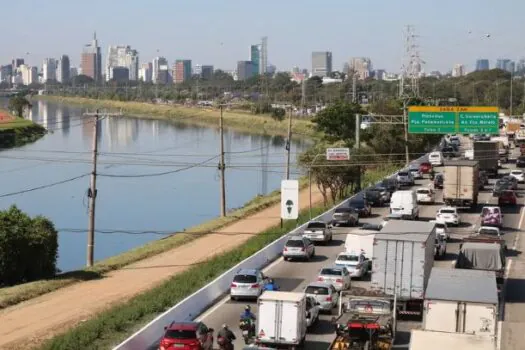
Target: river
(156, 177)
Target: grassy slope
(242, 121)
(18, 132)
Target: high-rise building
(17, 62)
(458, 70)
(6, 72)
(122, 56)
(145, 72)
(29, 74)
(197, 69)
(91, 60)
(361, 66)
(155, 73)
(207, 72)
(506, 64)
(255, 58)
(120, 74)
(482, 64)
(73, 72)
(181, 71)
(321, 63)
(244, 70)
(263, 56)
(379, 74)
(63, 69)
(49, 70)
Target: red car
(187, 336)
(507, 197)
(425, 167)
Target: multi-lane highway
(294, 276)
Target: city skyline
(446, 38)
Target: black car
(520, 162)
(361, 206)
(448, 152)
(374, 198)
(391, 185)
(438, 180)
(483, 177)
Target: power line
(43, 186)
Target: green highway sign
(453, 120)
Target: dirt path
(57, 311)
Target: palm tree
(18, 104)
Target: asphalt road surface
(294, 276)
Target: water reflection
(143, 202)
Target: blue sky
(219, 32)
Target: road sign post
(338, 154)
(453, 120)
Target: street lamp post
(310, 183)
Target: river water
(156, 177)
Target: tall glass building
(255, 57)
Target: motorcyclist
(227, 335)
(247, 314)
(271, 285)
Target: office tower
(63, 69)
(458, 70)
(482, 64)
(321, 63)
(29, 74)
(49, 70)
(145, 72)
(181, 71)
(244, 70)
(207, 72)
(17, 62)
(122, 56)
(255, 58)
(91, 60)
(158, 62)
(361, 66)
(263, 62)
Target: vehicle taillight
(233, 285)
(194, 345)
(256, 285)
(329, 298)
(339, 280)
(321, 279)
(285, 249)
(302, 249)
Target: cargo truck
(460, 185)
(402, 261)
(281, 319)
(461, 301)
(429, 340)
(487, 155)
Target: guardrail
(193, 305)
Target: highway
(294, 276)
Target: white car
(247, 283)
(435, 158)
(442, 230)
(489, 230)
(518, 175)
(356, 264)
(337, 276)
(416, 174)
(425, 195)
(448, 215)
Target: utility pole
(92, 194)
(357, 146)
(511, 93)
(405, 129)
(288, 145)
(222, 167)
(354, 88)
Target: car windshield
(348, 257)
(357, 204)
(487, 211)
(380, 189)
(516, 172)
(294, 243)
(316, 225)
(440, 225)
(372, 193)
(245, 279)
(487, 231)
(330, 271)
(414, 168)
(447, 211)
(439, 176)
(402, 173)
(521, 159)
(180, 334)
(423, 191)
(343, 210)
(316, 290)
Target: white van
(404, 203)
(435, 158)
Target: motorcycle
(224, 344)
(247, 330)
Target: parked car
(187, 335)
(491, 216)
(356, 264)
(442, 230)
(323, 293)
(312, 311)
(362, 206)
(448, 215)
(297, 247)
(318, 231)
(345, 216)
(518, 175)
(440, 249)
(435, 158)
(520, 162)
(425, 195)
(391, 185)
(507, 197)
(425, 168)
(416, 173)
(405, 178)
(338, 276)
(247, 283)
(374, 197)
(438, 180)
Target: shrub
(278, 113)
(28, 247)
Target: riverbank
(16, 294)
(241, 121)
(16, 132)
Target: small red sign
(261, 333)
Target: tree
(337, 122)
(28, 247)
(17, 104)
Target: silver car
(247, 283)
(405, 178)
(297, 247)
(338, 276)
(318, 231)
(323, 293)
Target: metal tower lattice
(412, 64)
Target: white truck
(460, 184)
(402, 261)
(405, 204)
(359, 240)
(430, 340)
(461, 301)
(281, 319)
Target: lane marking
(498, 335)
(520, 223)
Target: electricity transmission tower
(412, 63)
